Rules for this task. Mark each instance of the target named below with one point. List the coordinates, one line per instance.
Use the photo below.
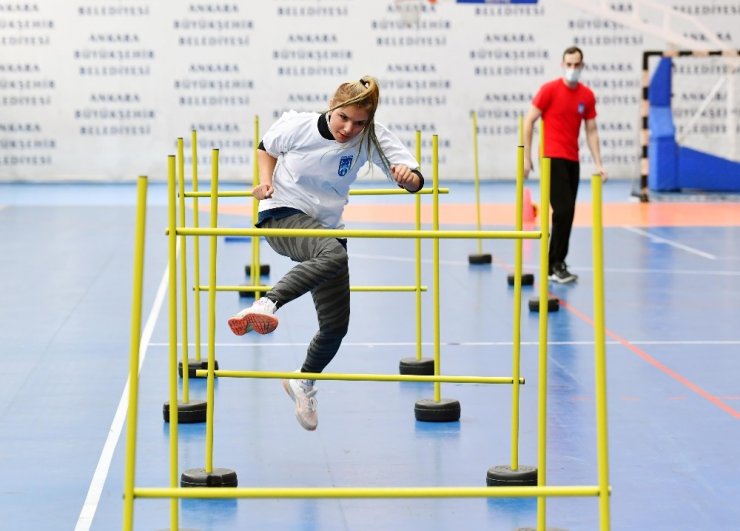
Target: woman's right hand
(262, 191)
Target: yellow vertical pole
(602, 440)
(255, 269)
(542, 357)
(417, 203)
(521, 130)
(476, 174)
(172, 270)
(183, 269)
(135, 343)
(196, 244)
(516, 347)
(435, 260)
(212, 315)
(541, 147)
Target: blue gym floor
(673, 347)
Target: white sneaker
(561, 275)
(258, 317)
(303, 394)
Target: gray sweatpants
(323, 270)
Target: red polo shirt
(563, 109)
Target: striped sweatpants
(324, 271)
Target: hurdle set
(512, 480)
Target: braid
(372, 138)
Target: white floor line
(90, 506)
(672, 243)
(666, 271)
(535, 267)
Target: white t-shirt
(313, 174)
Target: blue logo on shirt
(581, 108)
(344, 165)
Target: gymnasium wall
(100, 90)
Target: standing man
(563, 104)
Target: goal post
(689, 114)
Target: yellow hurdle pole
(368, 191)
(183, 269)
(417, 204)
(364, 377)
(521, 130)
(212, 315)
(435, 260)
(397, 191)
(254, 273)
(196, 244)
(365, 289)
(541, 147)
(172, 270)
(602, 439)
(365, 233)
(135, 345)
(476, 174)
(366, 492)
(516, 336)
(542, 358)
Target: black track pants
(564, 179)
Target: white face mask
(572, 75)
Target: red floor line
(657, 364)
(648, 358)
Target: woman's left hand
(403, 175)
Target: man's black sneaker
(561, 275)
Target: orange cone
(529, 210)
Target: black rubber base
(446, 410)
(196, 365)
(422, 367)
(218, 477)
(190, 413)
(264, 270)
(484, 258)
(553, 304)
(527, 279)
(505, 476)
(236, 239)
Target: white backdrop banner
(101, 90)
